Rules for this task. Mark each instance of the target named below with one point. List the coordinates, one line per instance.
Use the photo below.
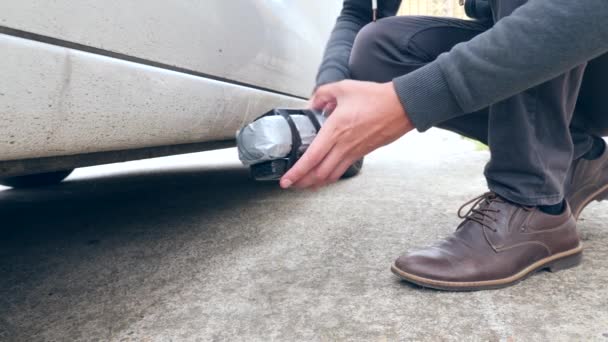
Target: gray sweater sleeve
(539, 41)
(355, 14)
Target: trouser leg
(529, 135)
(591, 113)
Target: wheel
(354, 169)
(36, 180)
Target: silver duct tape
(270, 138)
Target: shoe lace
(480, 210)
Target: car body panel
(90, 77)
(56, 101)
(274, 44)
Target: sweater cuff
(426, 97)
(330, 75)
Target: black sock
(598, 148)
(555, 209)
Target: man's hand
(366, 116)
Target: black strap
(296, 139)
(313, 119)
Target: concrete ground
(187, 248)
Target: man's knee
(374, 47)
(383, 50)
(365, 55)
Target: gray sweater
(539, 41)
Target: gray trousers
(533, 136)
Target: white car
(92, 82)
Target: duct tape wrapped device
(274, 142)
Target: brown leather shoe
(497, 245)
(589, 182)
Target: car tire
(354, 169)
(36, 180)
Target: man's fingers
(307, 181)
(336, 173)
(333, 159)
(326, 96)
(316, 152)
(318, 176)
(340, 170)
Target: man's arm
(539, 41)
(355, 14)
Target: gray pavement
(187, 248)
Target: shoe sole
(600, 195)
(554, 263)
